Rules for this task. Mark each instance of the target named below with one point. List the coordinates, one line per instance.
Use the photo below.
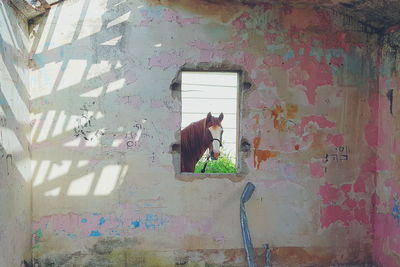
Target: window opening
(209, 98)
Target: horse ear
(221, 116)
(208, 117)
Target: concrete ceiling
(380, 14)
(30, 8)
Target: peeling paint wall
(100, 80)
(15, 174)
(386, 103)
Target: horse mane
(193, 139)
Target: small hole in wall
(176, 148)
(209, 121)
(246, 85)
(175, 86)
(390, 97)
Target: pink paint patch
(396, 148)
(333, 214)
(337, 61)
(374, 135)
(167, 60)
(346, 188)
(336, 140)
(240, 22)
(310, 74)
(367, 173)
(265, 78)
(245, 59)
(360, 184)
(386, 247)
(321, 121)
(361, 216)
(316, 169)
(273, 60)
(350, 203)
(329, 193)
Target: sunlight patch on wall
(92, 22)
(73, 73)
(118, 65)
(119, 20)
(108, 180)
(41, 173)
(73, 143)
(10, 36)
(12, 146)
(13, 98)
(21, 166)
(92, 142)
(45, 76)
(50, 39)
(115, 85)
(81, 186)
(58, 128)
(112, 42)
(98, 116)
(117, 142)
(46, 127)
(93, 93)
(59, 169)
(37, 121)
(82, 163)
(34, 164)
(53, 192)
(99, 69)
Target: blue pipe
(248, 246)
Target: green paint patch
(36, 237)
(217, 32)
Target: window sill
(190, 177)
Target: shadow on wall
(90, 129)
(76, 153)
(15, 176)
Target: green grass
(224, 164)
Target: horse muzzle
(214, 155)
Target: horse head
(214, 134)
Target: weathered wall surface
(386, 201)
(101, 74)
(15, 175)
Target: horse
(197, 137)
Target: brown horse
(197, 137)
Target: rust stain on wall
(261, 155)
(281, 114)
(279, 121)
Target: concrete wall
(386, 104)
(98, 71)
(15, 174)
